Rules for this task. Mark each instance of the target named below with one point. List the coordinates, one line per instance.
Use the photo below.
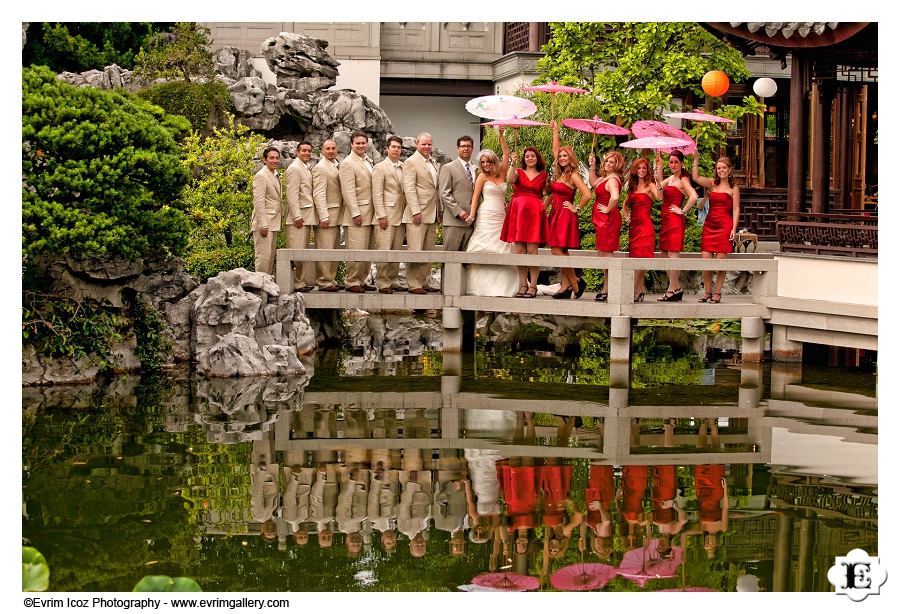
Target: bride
(484, 279)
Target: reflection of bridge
(802, 298)
(783, 430)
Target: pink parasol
(646, 127)
(643, 564)
(583, 577)
(688, 589)
(553, 88)
(595, 126)
(513, 123)
(511, 582)
(656, 142)
(700, 116)
(500, 107)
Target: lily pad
(35, 571)
(165, 584)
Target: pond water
(409, 470)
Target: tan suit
(456, 196)
(420, 187)
(328, 201)
(266, 214)
(388, 202)
(298, 184)
(356, 187)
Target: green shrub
(101, 172)
(205, 105)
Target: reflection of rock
(560, 331)
(236, 410)
(244, 326)
(388, 338)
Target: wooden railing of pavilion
(836, 234)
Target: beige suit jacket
(298, 183)
(327, 192)
(456, 192)
(356, 187)
(266, 201)
(420, 189)
(387, 192)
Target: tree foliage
(218, 198)
(101, 172)
(80, 46)
(181, 54)
(205, 105)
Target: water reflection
(428, 478)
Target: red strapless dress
(601, 489)
(671, 227)
(717, 225)
(634, 483)
(556, 482)
(563, 223)
(607, 225)
(519, 489)
(640, 230)
(708, 484)
(664, 487)
(526, 221)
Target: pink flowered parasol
(656, 142)
(646, 127)
(553, 88)
(583, 577)
(500, 107)
(511, 582)
(595, 126)
(643, 564)
(513, 123)
(700, 116)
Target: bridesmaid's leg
(523, 271)
(533, 271)
(707, 280)
(564, 280)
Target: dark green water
(152, 475)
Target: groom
(456, 182)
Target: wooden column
(842, 150)
(821, 142)
(534, 33)
(797, 137)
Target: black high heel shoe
(670, 296)
(582, 286)
(567, 293)
(639, 298)
(601, 297)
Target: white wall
(445, 117)
(364, 76)
(839, 279)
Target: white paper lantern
(765, 87)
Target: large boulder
(234, 63)
(242, 325)
(294, 57)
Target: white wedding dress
(483, 279)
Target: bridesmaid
(563, 234)
(720, 226)
(675, 189)
(526, 225)
(605, 214)
(642, 191)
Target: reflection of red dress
(607, 225)
(664, 487)
(563, 223)
(634, 483)
(526, 221)
(718, 223)
(518, 488)
(708, 484)
(556, 482)
(640, 229)
(671, 227)
(600, 488)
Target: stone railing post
(283, 275)
(452, 283)
(753, 336)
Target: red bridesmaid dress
(526, 221)
(601, 489)
(708, 484)
(563, 223)
(717, 226)
(671, 227)
(640, 229)
(607, 225)
(664, 487)
(634, 483)
(556, 482)
(519, 489)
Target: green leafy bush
(181, 54)
(101, 172)
(205, 105)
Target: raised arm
(706, 182)
(657, 170)
(735, 211)
(593, 177)
(504, 157)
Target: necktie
(469, 173)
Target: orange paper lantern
(715, 83)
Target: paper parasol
(595, 126)
(583, 577)
(688, 589)
(511, 582)
(500, 107)
(513, 123)
(643, 564)
(553, 88)
(700, 116)
(656, 142)
(646, 127)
